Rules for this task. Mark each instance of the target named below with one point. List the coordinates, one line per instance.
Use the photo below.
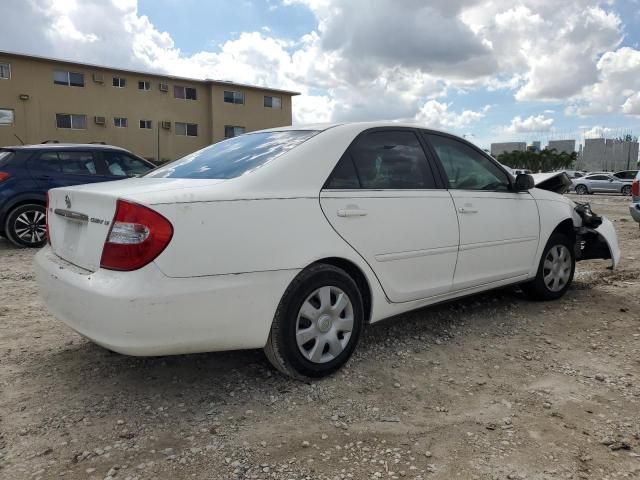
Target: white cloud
(437, 115)
(537, 123)
(598, 132)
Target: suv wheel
(26, 226)
(626, 190)
(317, 325)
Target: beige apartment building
(158, 117)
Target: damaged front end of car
(596, 237)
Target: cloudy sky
(488, 69)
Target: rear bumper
(634, 210)
(147, 313)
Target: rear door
(499, 228)
(385, 201)
(61, 168)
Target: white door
(382, 198)
(499, 228)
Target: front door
(499, 228)
(382, 198)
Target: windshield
(234, 157)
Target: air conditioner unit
(166, 125)
(164, 87)
(99, 120)
(98, 78)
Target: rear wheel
(25, 226)
(317, 325)
(626, 190)
(555, 272)
(581, 190)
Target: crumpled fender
(607, 233)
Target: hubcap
(30, 226)
(324, 324)
(557, 268)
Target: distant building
(507, 147)
(160, 117)
(608, 155)
(535, 146)
(567, 146)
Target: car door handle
(467, 210)
(351, 212)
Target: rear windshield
(5, 157)
(235, 156)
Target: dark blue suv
(28, 172)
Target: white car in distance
(294, 239)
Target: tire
(626, 190)
(581, 189)
(25, 226)
(309, 305)
(552, 283)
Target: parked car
(293, 239)
(626, 175)
(601, 183)
(634, 208)
(27, 172)
(574, 173)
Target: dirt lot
(490, 387)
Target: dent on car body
(596, 238)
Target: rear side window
(235, 156)
(121, 164)
(72, 163)
(391, 160)
(344, 176)
(5, 157)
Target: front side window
(466, 168)
(74, 163)
(272, 102)
(70, 120)
(5, 71)
(391, 160)
(598, 177)
(70, 79)
(7, 116)
(120, 122)
(231, 131)
(234, 97)
(187, 129)
(234, 157)
(119, 82)
(144, 85)
(121, 164)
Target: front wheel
(317, 324)
(626, 190)
(581, 190)
(555, 272)
(26, 226)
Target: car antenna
(18, 138)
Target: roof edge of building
(143, 73)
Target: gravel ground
(490, 387)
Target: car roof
(363, 125)
(65, 146)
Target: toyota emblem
(67, 201)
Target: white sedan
(294, 239)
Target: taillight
(635, 188)
(46, 220)
(137, 236)
(4, 176)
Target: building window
(145, 124)
(5, 71)
(70, 79)
(144, 85)
(120, 122)
(231, 131)
(69, 120)
(272, 102)
(234, 97)
(119, 82)
(185, 93)
(187, 129)
(6, 116)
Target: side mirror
(524, 182)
